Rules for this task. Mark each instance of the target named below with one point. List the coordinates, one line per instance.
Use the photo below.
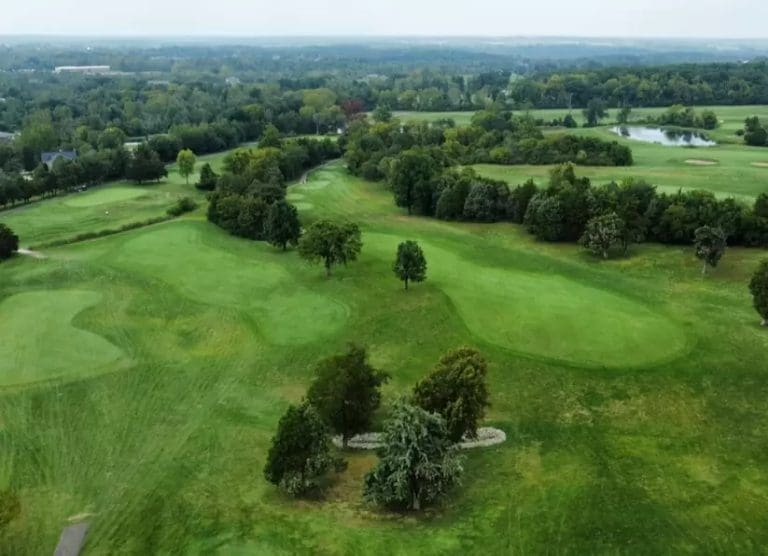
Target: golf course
(142, 375)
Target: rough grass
(663, 452)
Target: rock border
(486, 436)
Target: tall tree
(345, 392)
(457, 390)
(602, 233)
(145, 165)
(418, 463)
(595, 111)
(9, 242)
(758, 287)
(410, 264)
(282, 226)
(300, 454)
(710, 244)
(186, 160)
(412, 170)
(208, 178)
(331, 242)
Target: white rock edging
(486, 436)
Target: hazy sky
(628, 18)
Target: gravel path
(30, 253)
(486, 436)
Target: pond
(664, 137)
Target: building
(6, 137)
(50, 158)
(91, 70)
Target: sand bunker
(760, 164)
(701, 162)
(486, 436)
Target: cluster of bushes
(249, 199)
(755, 133)
(685, 116)
(419, 460)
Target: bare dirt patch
(701, 162)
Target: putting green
(104, 196)
(547, 315)
(207, 266)
(40, 342)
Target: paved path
(72, 540)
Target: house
(50, 158)
(91, 70)
(6, 137)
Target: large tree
(300, 454)
(411, 172)
(331, 243)
(282, 226)
(208, 178)
(457, 390)
(410, 264)
(710, 244)
(345, 392)
(603, 233)
(595, 111)
(145, 165)
(186, 160)
(758, 287)
(418, 463)
(9, 242)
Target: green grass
(632, 391)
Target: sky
(253, 18)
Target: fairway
(104, 196)
(147, 372)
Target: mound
(548, 315)
(701, 162)
(40, 341)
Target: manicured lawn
(632, 391)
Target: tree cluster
(755, 133)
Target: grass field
(142, 376)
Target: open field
(632, 392)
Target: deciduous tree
(331, 242)
(186, 160)
(603, 233)
(457, 390)
(300, 454)
(345, 392)
(282, 227)
(758, 287)
(9, 242)
(710, 244)
(410, 264)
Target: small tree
(602, 233)
(282, 227)
(300, 454)
(758, 287)
(345, 392)
(410, 264)
(457, 390)
(418, 463)
(9, 242)
(331, 242)
(10, 507)
(710, 244)
(208, 178)
(186, 160)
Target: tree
(457, 390)
(410, 264)
(758, 287)
(411, 171)
(331, 242)
(145, 165)
(270, 138)
(10, 507)
(300, 454)
(594, 112)
(623, 116)
(418, 463)
(710, 244)
(382, 114)
(282, 226)
(208, 178)
(9, 242)
(345, 392)
(186, 160)
(603, 233)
